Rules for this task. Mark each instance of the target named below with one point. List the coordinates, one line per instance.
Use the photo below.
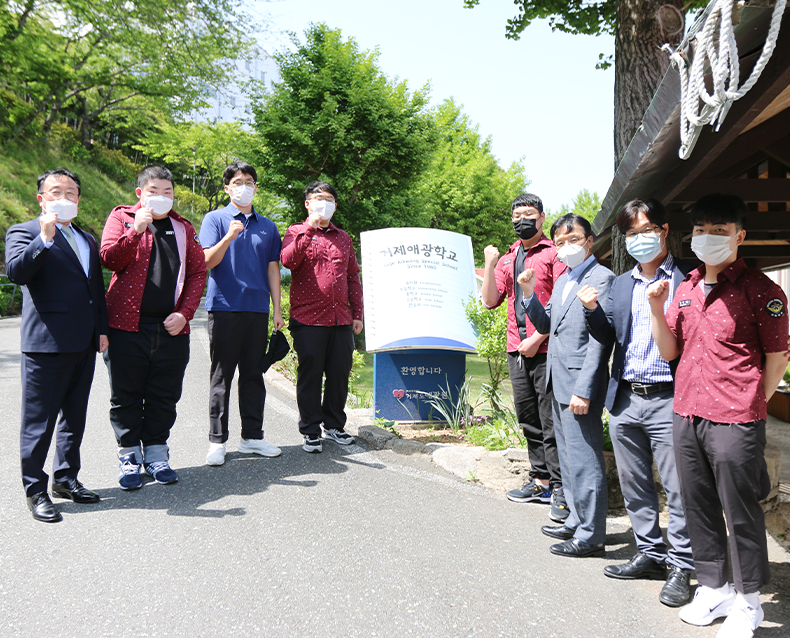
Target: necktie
(69, 235)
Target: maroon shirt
(325, 286)
(543, 258)
(723, 339)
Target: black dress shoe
(557, 531)
(43, 509)
(577, 549)
(640, 566)
(74, 490)
(677, 590)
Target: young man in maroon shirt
(527, 348)
(326, 312)
(728, 323)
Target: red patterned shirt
(127, 253)
(723, 339)
(325, 286)
(543, 258)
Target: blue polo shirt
(240, 282)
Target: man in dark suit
(577, 371)
(639, 399)
(64, 323)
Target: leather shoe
(43, 509)
(677, 590)
(74, 490)
(576, 548)
(640, 566)
(558, 531)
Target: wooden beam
(749, 190)
(756, 222)
(780, 151)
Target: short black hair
(319, 187)
(152, 172)
(58, 171)
(239, 167)
(719, 208)
(527, 199)
(568, 222)
(652, 208)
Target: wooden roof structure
(749, 156)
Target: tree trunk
(638, 68)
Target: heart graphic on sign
(398, 394)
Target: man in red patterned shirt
(326, 312)
(158, 279)
(728, 323)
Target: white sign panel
(417, 282)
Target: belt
(645, 389)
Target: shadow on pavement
(241, 475)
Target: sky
(540, 98)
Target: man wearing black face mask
(526, 348)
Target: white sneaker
(341, 437)
(707, 606)
(216, 454)
(742, 620)
(258, 446)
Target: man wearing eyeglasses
(64, 324)
(326, 312)
(639, 400)
(242, 250)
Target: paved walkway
(352, 542)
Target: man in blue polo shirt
(242, 251)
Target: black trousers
(146, 371)
(322, 351)
(722, 466)
(237, 339)
(534, 413)
(55, 391)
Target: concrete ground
(352, 542)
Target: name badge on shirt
(507, 261)
(684, 303)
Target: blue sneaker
(532, 492)
(161, 472)
(129, 473)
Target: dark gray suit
(578, 365)
(641, 429)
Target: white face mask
(66, 209)
(712, 249)
(242, 195)
(572, 255)
(645, 247)
(323, 208)
(160, 204)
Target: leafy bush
(10, 298)
(491, 330)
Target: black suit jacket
(62, 309)
(614, 325)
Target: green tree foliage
(463, 188)
(585, 203)
(335, 117)
(491, 329)
(89, 59)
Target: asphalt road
(352, 542)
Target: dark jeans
(534, 413)
(322, 351)
(146, 370)
(237, 339)
(722, 466)
(55, 390)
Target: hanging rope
(715, 42)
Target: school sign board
(417, 283)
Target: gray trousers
(722, 466)
(641, 430)
(580, 447)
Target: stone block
(374, 436)
(405, 446)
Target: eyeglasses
(645, 231)
(59, 194)
(322, 198)
(249, 182)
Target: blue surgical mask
(644, 247)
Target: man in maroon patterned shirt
(326, 312)
(729, 325)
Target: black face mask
(525, 228)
